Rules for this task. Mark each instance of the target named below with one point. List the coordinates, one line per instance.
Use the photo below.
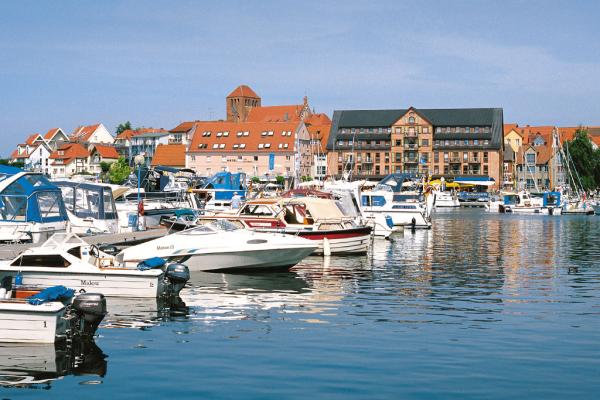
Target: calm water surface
(482, 306)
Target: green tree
(585, 159)
(280, 180)
(105, 166)
(119, 171)
(255, 179)
(123, 127)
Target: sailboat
(574, 197)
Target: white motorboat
(546, 203)
(90, 207)
(348, 197)
(220, 245)
(320, 220)
(405, 207)
(444, 199)
(29, 321)
(65, 259)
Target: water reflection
(141, 313)
(468, 269)
(35, 366)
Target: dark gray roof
(369, 118)
(492, 117)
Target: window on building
(425, 129)
(424, 142)
(436, 157)
(398, 142)
(485, 170)
(255, 158)
(215, 146)
(246, 133)
(240, 133)
(530, 157)
(411, 120)
(476, 142)
(226, 133)
(267, 145)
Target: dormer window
(411, 119)
(226, 133)
(267, 145)
(260, 145)
(219, 134)
(246, 133)
(215, 146)
(243, 145)
(239, 133)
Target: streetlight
(138, 161)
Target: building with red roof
(68, 159)
(99, 153)
(256, 148)
(96, 133)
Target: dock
(10, 251)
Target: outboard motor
(109, 249)
(177, 274)
(90, 308)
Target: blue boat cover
(184, 212)
(151, 263)
(53, 293)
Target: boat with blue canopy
(31, 207)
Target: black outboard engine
(90, 308)
(177, 274)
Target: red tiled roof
(32, 138)
(50, 134)
(243, 91)
(510, 127)
(15, 155)
(184, 127)
(275, 113)
(129, 133)
(106, 151)
(567, 133)
(543, 153)
(83, 133)
(318, 126)
(251, 141)
(169, 155)
(70, 151)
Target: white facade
(38, 160)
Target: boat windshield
(223, 225)
(211, 227)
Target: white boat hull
(113, 284)
(21, 322)
(258, 259)
(209, 251)
(401, 218)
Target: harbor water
(481, 306)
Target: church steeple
(240, 102)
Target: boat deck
(10, 251)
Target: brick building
(437, 142)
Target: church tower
(239, 103)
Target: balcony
(411, 160)
(411, 146)
(455, 160)
(474, 160)
(411, 134)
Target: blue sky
(157, 63)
